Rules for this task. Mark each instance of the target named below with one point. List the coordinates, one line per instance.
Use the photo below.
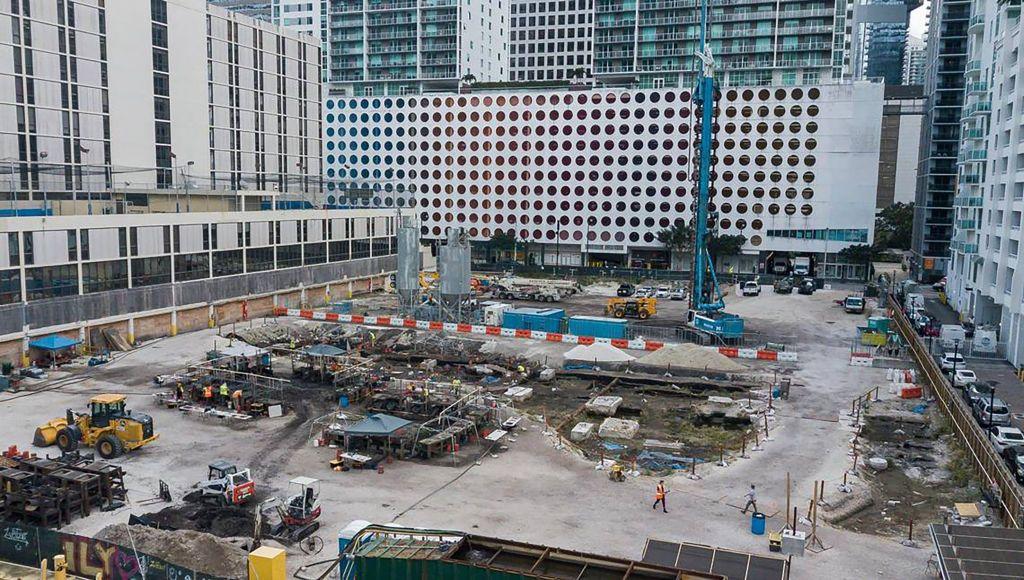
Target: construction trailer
(386, 553)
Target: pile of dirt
(186, 548)
(597, 353)
(226, 522)
(691, 356)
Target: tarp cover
(323, 350)
(379, 424)
(53, 342)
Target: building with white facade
(152, 275)
(126, 94)
(983, 282)
(593, 176)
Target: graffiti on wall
(27, 545)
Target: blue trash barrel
(343, 401)
(757, 524)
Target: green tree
(500, 243)
(727, 245)
(894, 226)
(677, 238)
(859, 254)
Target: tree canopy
(894, 226)
(678, 237)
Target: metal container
(540, 319)
(598, 326)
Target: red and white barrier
(635, 344)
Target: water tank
(454, 264)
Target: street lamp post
(186, 174)
(991, 405)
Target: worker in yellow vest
(225, 394)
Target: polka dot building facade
(795, 168)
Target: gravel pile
(189, 549)
(691, 356)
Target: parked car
(661, 292)
(854, 304)
(784, 286)
(33, 372)
(625, 290)
(950, 360)
(677, 294)
(644, 292)
(751, 288)
(1014, 457)
(807, 286)
(992, 411)
(964, 378)
(977, 391)
(1003, 437)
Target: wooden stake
(788, 501)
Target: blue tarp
(379, 424)
(53, 342)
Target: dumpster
(599, 326)
(542, 319)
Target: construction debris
(582, 431)
(519, 394)
(612, 428)
(691, 356)
(606, 405)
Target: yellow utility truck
(108, 427)
(642, 308)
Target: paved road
(997, 373)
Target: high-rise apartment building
(259, 9)
(391, 47)
(877, 37)
(307, 17)
(946, 62)
(983, 282)
(754, 43)
(126, 94)
(551, 40)
(914, 61)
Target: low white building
(593, 176)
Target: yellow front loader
(107, 426)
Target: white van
(949, 334)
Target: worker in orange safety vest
(208, 394)
(236, 397)
(659, 496)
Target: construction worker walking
(225, 395)
(659, 496)
(751, 499)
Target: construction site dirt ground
(532, 492)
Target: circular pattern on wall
(531, 164)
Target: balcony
(436, 47)
(806, 46)
(972, 155)
(968, 201)
(979, 108)
(977, 87)
(391, 48)
(436, 61)
(970, 178)
(438, 33)
(973, 133)
(976, 24)
(609, 8)
(616, 23)
(392, 34)
(615, 54)
(973, 68)
(393, 64)
(966, 224)
(392, 21)
(372, 7)
(440, 17)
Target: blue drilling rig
(706, 305)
